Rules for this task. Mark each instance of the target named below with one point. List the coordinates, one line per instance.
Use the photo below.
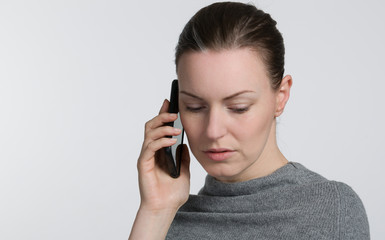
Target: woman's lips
(219, 154)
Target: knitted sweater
(291, 203)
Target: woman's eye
(194, 109)
(240, 110)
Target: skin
(161, 196)
(226, 101)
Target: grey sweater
(291, 203)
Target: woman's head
(231, 25)
(231, 91)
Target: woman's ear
(282, 95)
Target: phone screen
(179, 139)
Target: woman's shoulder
(348, 207)
(352, 219)
(336, 189)
(305, 176)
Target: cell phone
(173, 154)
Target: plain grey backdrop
(78, 80)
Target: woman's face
(228, 111)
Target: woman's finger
(164, 107)
(159, 121)
(161, 132)
(153, 146)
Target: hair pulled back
(232, 25)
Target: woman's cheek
(187, 124)
(192, 127)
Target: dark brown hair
(229, 25)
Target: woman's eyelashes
(239, 109)
(194, 108)
(235, 109)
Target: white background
(78, 80)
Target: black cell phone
(173, 154)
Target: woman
(230, 66)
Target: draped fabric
(291, 203)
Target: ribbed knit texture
(291, 203)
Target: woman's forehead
(234, 70)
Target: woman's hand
(161, 195)
(158, 190)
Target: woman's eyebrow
(226, 98)
(191, 95)
(237, 94)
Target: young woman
(230, 66)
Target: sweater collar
(214, 187)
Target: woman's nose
(216, 127)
